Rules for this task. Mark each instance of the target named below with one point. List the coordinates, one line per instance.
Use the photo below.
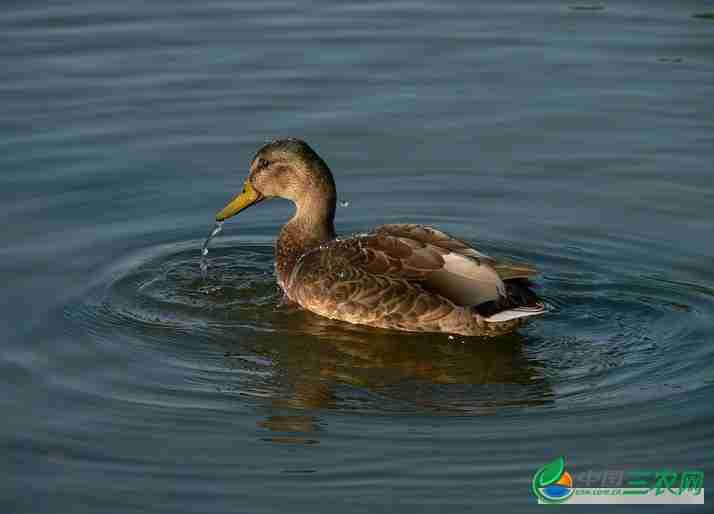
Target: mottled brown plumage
(401, 276)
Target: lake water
(580, 140)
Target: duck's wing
(434, 237)
(512, 270)
(339, 281)
(461, 275)
(506, 270)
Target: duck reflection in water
(323, 364)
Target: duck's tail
(520, 302)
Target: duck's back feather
(407, 277)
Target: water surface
(575, 136)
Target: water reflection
(322, 364)
(295, 425)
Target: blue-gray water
(576, 139)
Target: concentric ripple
(613, 337)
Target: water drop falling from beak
(204, 251)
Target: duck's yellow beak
(245, 199)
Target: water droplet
(204, 251)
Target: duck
(405, 277)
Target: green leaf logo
(551, 472)
(548, 474)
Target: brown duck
(402, 276)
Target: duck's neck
(312, 225)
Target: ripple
(591, 8)
(613, 338)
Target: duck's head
(286, 168)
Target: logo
(552, 484)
